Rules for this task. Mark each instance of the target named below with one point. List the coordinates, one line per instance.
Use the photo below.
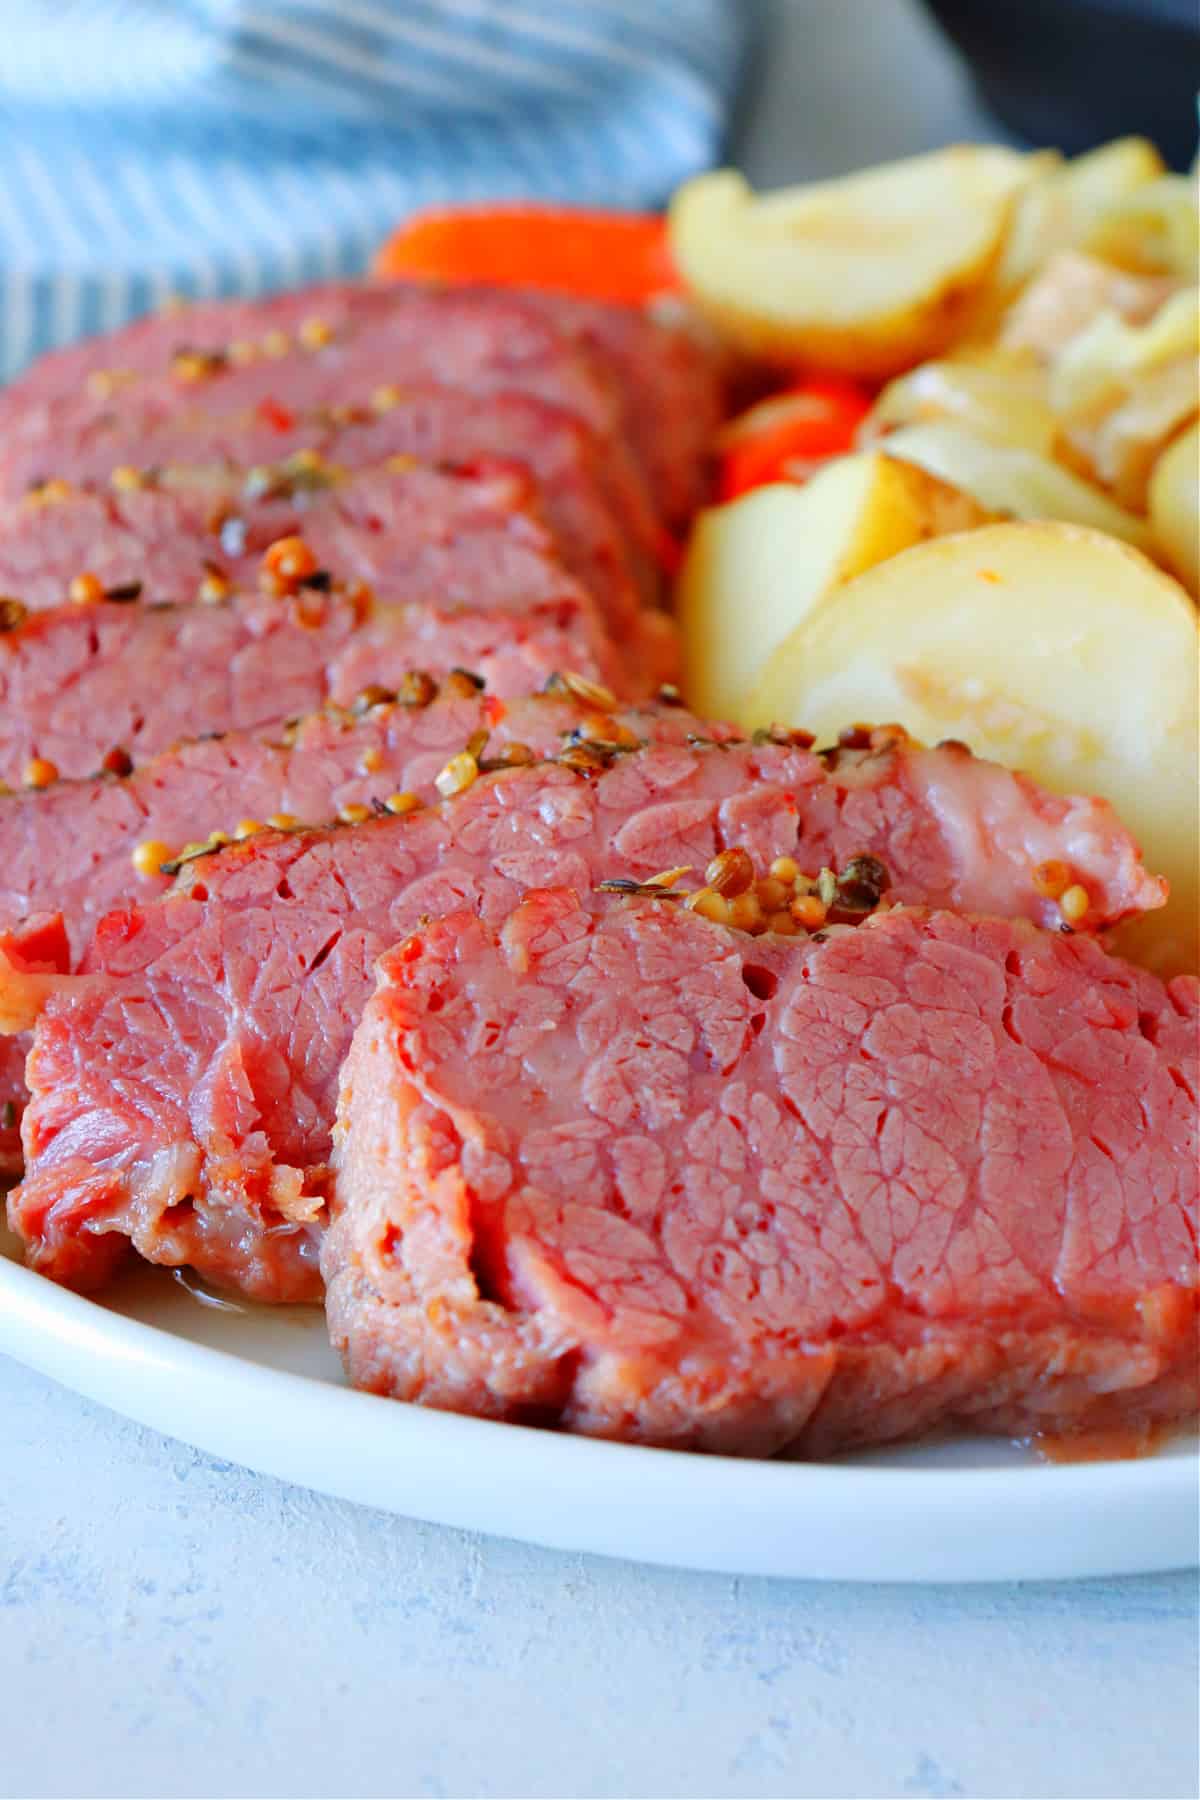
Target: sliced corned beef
(609, 366)
(79, 682)
(69, 848)
(594, 510)
(233, 998)
(228, 359)
(673, 393)
(206, 400)
(413, 531)
(36, 943)
(415, 534)
(633, 1173)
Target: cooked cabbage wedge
(1006, 479)
(1065, 201)
(1122, 391)
(1154, 229)
(1045, 646)
(756, 566)
(1072, 291)
(997, 394)
(1109, 353)
(867, 274)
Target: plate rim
(95, 1351)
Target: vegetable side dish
(763, 1023)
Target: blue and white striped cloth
(198, 147)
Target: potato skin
(848, 275)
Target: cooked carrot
(598, 255)
(786, 437)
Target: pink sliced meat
(585, 493)
(68, 849)
(631, 1173)
(484, 342)
(79, 682)
(672, 382)
(37, 944)
(994, 827)
(609, 366)
(194, 400)
(413, 534)
(235, 996)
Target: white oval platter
(262, 1388)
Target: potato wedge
(1174, 498)
(1005, 479)
(995, 394)
(755, 566)
(1045, 646)
(867, 274)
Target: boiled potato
(867, 274)
(1174, 497)
(755, 566)
(1009, 480)
(1099, 179)
(1045, 646)
(996, 394)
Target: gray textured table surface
(172, 1626)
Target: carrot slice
(597, 255)
(788, 436)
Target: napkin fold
(200, 147)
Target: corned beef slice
(585, 495)
(465, 538)
(76, 682)
(672, 394)
(626, 1170)
(233, 998)
(198, 405)
(607, 366)
(68, 848)
(485, 343)
(417, 533)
